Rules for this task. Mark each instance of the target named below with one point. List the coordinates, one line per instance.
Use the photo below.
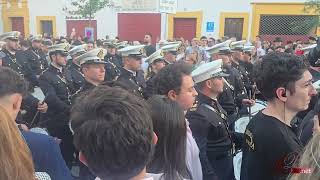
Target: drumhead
(258, 106)
(237, 160)
(37, 93)
(241, 124)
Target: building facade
(243, 19)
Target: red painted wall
(80, 26)
(133, 26)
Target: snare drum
(237, 160)
(258, 106)
(241, 123)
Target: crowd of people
(133, 110)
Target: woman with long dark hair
(170, 127)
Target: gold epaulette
(194, 107)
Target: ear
(209, 84)
(82, 158)
(84, 69)
(155, 138)
(172, 95)
(153, 65)
(281, 94)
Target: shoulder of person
(42, 176)
(2, 54)
(39, 139)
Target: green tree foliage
(87, 8)
(312, 6)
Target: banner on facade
(89, 33)
(168, 6)
(138, 5)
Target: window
(287, 25)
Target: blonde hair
(310, 159)
(15, 157)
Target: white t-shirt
(261, 52)
(192, 155)
(148, 177)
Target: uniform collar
(87, 85)
(234, 64)
(133, 73)
(34, 49)
(58, 69)
(203, 99)
(75, 66)
(8, 52)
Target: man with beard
(233, 96)
(11, 51)
(170, 52)
(246, 60)
(149, 48)
(56, 83)
(10, 58)
(35, 57)
(237, 63)
(208, 122)
(45, 44)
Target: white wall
(47, 8)
(107, 18)
(107, 23)
(1, 21)
(212, 9)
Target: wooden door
(233, 27)
(185, 27)
(47, 27)
(133, 26)
(17, 24)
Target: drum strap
(225, 123)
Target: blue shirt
(47, 156)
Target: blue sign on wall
(210, 26)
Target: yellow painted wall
(273, 9)
(194, 14)
(15, 11)
(46, 18)
(245, 16)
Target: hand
(42, 107)
(316, 126)
(57, 140)
(248, 102)
(23, 127)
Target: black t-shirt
(149, 49)
(270, 149)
